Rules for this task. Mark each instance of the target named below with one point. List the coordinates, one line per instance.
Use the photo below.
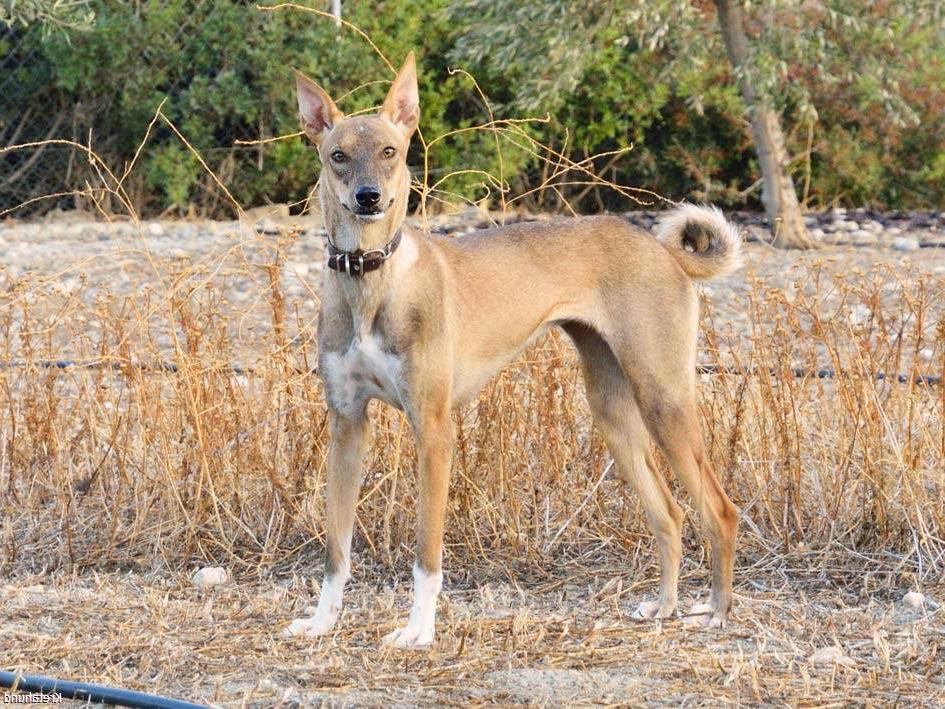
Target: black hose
(94, 693)
(237, 370)
(805, 373)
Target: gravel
(76, 254)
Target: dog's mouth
(368, 215)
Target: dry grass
(132, 464)
(135, 468)
(560, 641)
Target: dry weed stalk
(129, 466)
(126, 465)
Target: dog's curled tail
(703, 242)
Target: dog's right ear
(318, 112)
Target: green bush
(223, 70)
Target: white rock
(860, 314)
(872, 226)
(861, 236)
(155, 229)
(210, 576)
(914, 599)
(904, 243)
(299, 268)
(831, 655)
(817, 233)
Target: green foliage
(49, 15)
(869, 78)
(223, 69)
(174, 171)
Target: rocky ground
(71, 246)
(74, 254)
(75, 242)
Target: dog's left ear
(402, 105)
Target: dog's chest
(366, 370)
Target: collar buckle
(357, 263)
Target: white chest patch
(365, 371)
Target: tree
(778, 194)
(784, 56)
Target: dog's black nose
(367, 196)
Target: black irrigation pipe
(159, 368)
(169, 368)
(89, 693)
(805, 373)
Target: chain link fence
(220, 66)
(29, 111)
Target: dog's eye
(338, 156)
(388, 152)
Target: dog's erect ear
(316, 108)
(402, 105)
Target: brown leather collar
(357, 263)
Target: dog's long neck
(363, 295)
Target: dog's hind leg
(345, 469)
(618, 419)
(675, 425)
(663, 382)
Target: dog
(424, 321)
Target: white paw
(650, 610)
(704, 614)
(412, 636)
(309, 627)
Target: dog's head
(364, 157)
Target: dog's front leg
(345, 469)
(435, 452)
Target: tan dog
(423, 322)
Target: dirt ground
(808, 629)
(802, 634)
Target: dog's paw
(411, 637)
(651, 610)
(309, 627)
(705, 615)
